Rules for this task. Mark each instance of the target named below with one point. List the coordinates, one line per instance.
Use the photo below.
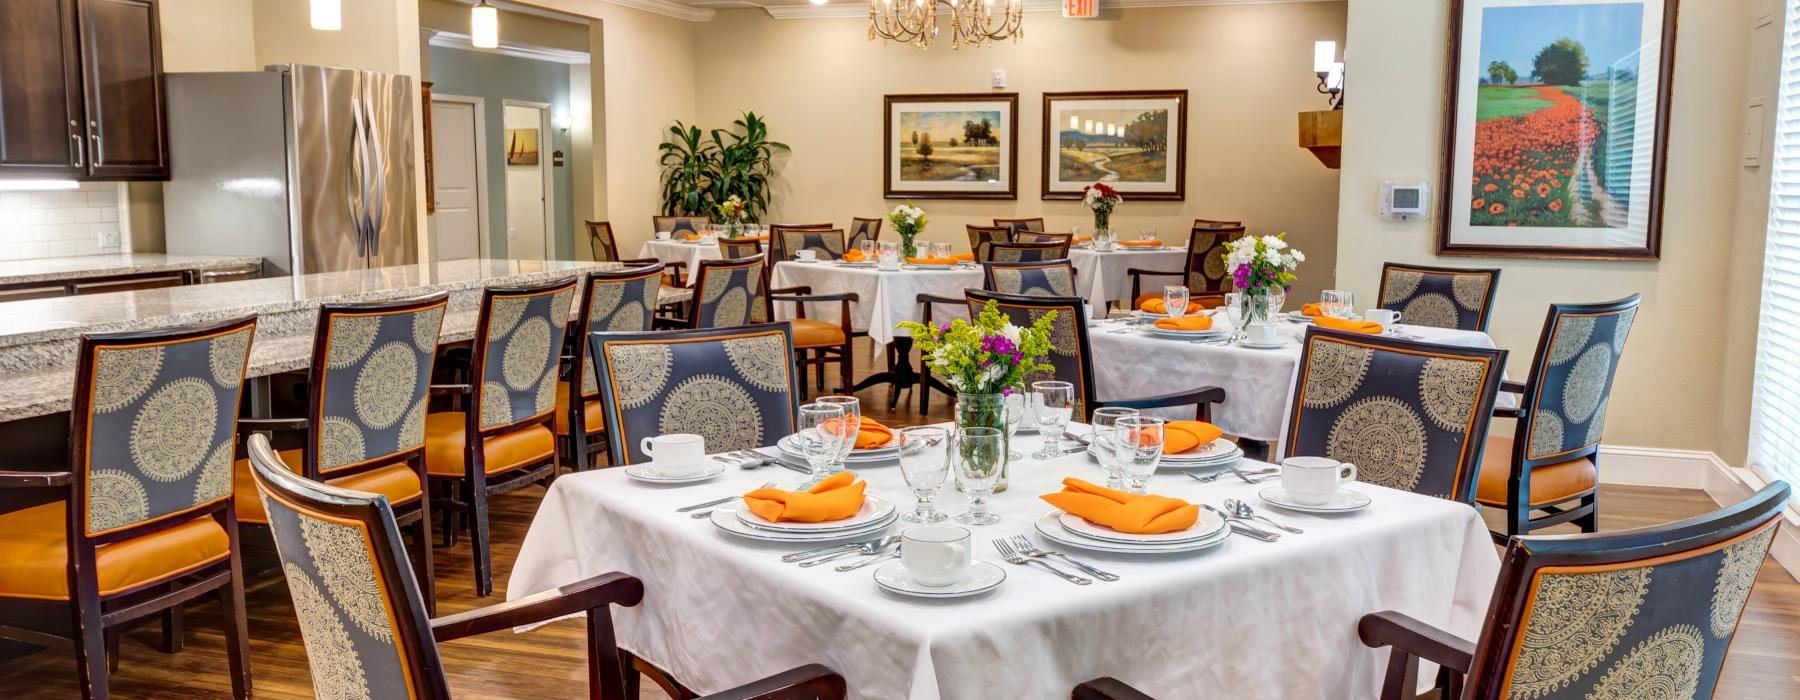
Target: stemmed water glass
(924, 462)
(852, 424)
(1017, 402)
(1139, 440)
(822, 438)
(1175, 298)
(1337, 303)
(867, 246)
(1054, 403)
(980, 453)
(1104, 443)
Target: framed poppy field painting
(1556, 129)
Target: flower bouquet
(1101, 199)
(731, 213)
(908, 221)
(1262, 271)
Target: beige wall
(1247, 68)
(207, 35)
(515, 27)
(1668, 392)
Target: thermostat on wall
(1404, 200)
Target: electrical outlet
(999, 77)
(109, 240)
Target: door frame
(485, 247)
(545, 170)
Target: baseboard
(1653, 466)
(1727, 484)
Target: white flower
(1010, 332)
(1273, 243)
(1299, 257)
(1274, 257)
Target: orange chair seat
(592, 416)
(1549, 484)
(813, 333)
(444, 446)
(396, 481)
(34, 554)
(1203, 300)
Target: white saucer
(874, 508)
(805, 262)
(648, 474)
(1208, 525)
(1049, 525)
(1253, 345)
(726, 518)
(1344, 501)
(980, 578)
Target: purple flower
(945, 328)
(998, 345)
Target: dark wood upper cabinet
(81, 90)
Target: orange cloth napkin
(1183, 435)
(690, 237)
(1148, 514)
(1078, 240)
(1157, 306)
(835, 498)
(1185, 323)
(952, 260)
(1313, 309)
(869, 434)
(1140, 244)
(853, 255)
(1340, 324)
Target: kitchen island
(49, 274)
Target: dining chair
(1071, 356)
(503, 439)
(827, 244)
(1551, 463)
(1026, 252)
(1016, 226)
(1217, 223)
(678, 226)
(862, 229)
(1055, 278)
(1204, 273)
(610, 301)
(1439, 297)
(601, 243)
(1642, 613)
(364, 429)
(1042, 237)
(739, 248)
(728, 293)
(142, 521)
(777, 250)
(981, 236)
(732, 293)
(1108, 688)
(735, 386)
(364, 621)
(1411, 416)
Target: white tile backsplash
(60, 224)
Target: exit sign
(1081, 9)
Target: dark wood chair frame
(1016, 225)
(91, 621)
(988, 268)
(844, 355)
(583, 443)
(1043, 237)
(656, 221)
(1047, 251)
(874, 228)
(1487, 308)
(981, 236)
(600, 236)
(1107, 688)
(778, 249)
(1217, 224)
(1196, 260)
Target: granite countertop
(63, 269)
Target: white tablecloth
(884, 297)
(683, 252)
(1101, 277)
(1246, 620)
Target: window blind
(1775, 408)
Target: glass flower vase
(986, 411)
(1259, 306)
(907, 248)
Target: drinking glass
(1055, 402)
(1147, 233)
(1234, 309)
(1337, 303)
(940, 249)
(867, 246)
(821, 438)
(980, 452)
(924, 462)
(1105, 443)
(1074, 232)
(851, 425)
(1016, 402)
(1175, 297)
(888, 252)
(1139, 441)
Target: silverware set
(708, 506)
(1253, 476)
(1013, 557)
(879, 549)
(1023, 546)
(751, 459)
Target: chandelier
(972, 22)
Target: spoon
(1242, 527)
(864, 550)
(1243, 510)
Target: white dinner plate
(648, 474)
(1219, 450)
(1050, 526)
(726, 518)
(886, 453)
(1207, 525)
(1344, 501)
(980, 578)
(1212, 334)
(1185, 462)
(857, 264)
(874, 508)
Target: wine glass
(867, 246)
(1234, 309)
(851, 425)
(924, 462)
(1105, 444)
(821, 438)
(1054, 404)
(1139, 441)
(980, 453)
(1175, 297)
(1337, 303)
(1016, 404)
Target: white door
(525, 225)
(457, 223)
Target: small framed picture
(1134, 141)
(952, 146)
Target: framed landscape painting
(961, 146)
(1557, 128)
(1134, 141)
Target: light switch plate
(999, 77)
(109, 240)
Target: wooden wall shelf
(1323, 134)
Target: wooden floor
(548, 663)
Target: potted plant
(908, 221)
(1100, 198)
(703, 170)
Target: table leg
(899, 374)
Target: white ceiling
(701, 10)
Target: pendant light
(484, 26)
(328, 15)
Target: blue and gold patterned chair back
(1026, 252)
(1646, 613)
(734, 386)
(362, 617)
(1439, 297)
(1015, 226)
(679, 226)
(1410, 416)
(981, 236)
(864, 230)
(1564, 404)
(828, 244)
(155, 422)
(518, 349)
(1042, 237)
(729, 293)
(1055, 278)
(778, 240)
(601, 243)
(615, 302)
(1206, 258)
(736, 248)
(1068, 336)
(371, 380)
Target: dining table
(1100, 276)
(1245, 619)
(688, 253)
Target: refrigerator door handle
(377, 206)
(359, 167)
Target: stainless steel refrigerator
(307, 166)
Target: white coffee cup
(675, 454)
(935, 555)
(808, 255)
(1264, 334)
(1314, 480)
(1385, 317)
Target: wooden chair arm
(451, 389)
(1136, 272)
(1107, 689)
(594, 594)
(273, 424)
(929, 299)
(1201, 399)
(1506, 412)
(1512, 387)
(808, 682)
(840, 296)
(35, 480)
(1409, 636)
(802, 289)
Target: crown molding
(852, 8)
(453, 40)
(667, 8)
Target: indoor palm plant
(702, 170)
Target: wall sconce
(484, 26)
(1330, 72)
(562, 120)
(328, 15)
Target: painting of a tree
(1563, 62)
(951, 146)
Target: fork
(1023, 546)
(1215, 476)
(1011, 557)
(1246, 477)
(718, 502)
